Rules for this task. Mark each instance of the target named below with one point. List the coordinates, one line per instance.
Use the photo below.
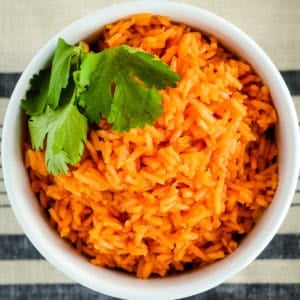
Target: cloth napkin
(25, 26)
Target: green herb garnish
(120, 84)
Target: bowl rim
(104, 280)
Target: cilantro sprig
(120, 84)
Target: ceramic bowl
(122, 285)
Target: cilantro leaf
(149, 69)
(119, 85)
(36, 97)
(126, 114)
(65, 133)
(93, 74)
(64, 55)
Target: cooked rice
(184, 191)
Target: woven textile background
(25, 26)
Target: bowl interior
(72, 264)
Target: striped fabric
(25, 26)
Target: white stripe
(30, 272)
(296, 98)
(3, 200)
(297, 196)
(8, 222)
(23, 37)
(291, 222)
(40, 271)
(2, 187)
(270, 271)
(3, 106)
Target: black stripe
(15, 247)
(292, 79)
(9, 80)
(283, 246)
(7, 83)
(49, 292)
(251, 292)
(222, 292)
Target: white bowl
(121, 285)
